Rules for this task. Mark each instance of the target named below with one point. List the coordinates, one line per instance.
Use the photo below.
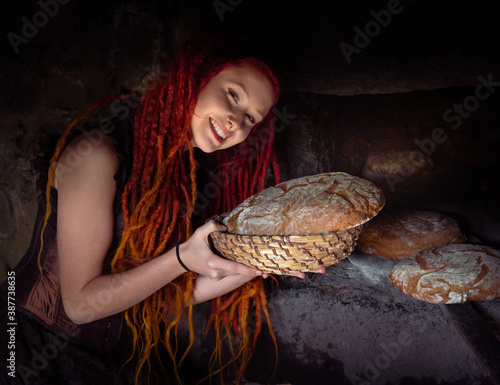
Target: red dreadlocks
(158, 204)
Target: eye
(236, 98)
(234, 95)
(251, 118)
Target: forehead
(257, 86)
(246, 70)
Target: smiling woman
(231, 104)
(114, 239)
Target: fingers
(222, 267)
(212, 226)
(209, 227)
(233, 267)
(219, 268)
(298, 274)
(302, 275)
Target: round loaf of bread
(398, 235)
(397, 162)
(309, 205)
(450, 274)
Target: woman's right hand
(197, 255)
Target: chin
(208, 150)
(205, 147)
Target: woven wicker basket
(282, 254)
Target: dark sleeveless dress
(39, 345)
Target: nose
(234, 122)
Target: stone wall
(359, 78)
(88, 50)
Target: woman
(116, 241)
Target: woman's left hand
(198, 256)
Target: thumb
(217, 225)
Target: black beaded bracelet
(179, 258)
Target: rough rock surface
(393, 94)
(352, 326)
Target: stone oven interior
(360, 80)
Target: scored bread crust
(308, 205)
(397, 235)
(398, 162)
(450, 274)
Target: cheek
(237, 139)
(210, 101)
(243, 135)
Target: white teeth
(217, 129)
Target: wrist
(179, 259)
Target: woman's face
(229, 106)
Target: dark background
(333, 116)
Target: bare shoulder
(87, 157)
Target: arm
(86, 191)
(224, 276)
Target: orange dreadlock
(158, 204)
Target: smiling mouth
(220, 132)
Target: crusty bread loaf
(450, 274)
(397, 235)
(309, 205)
(396, 162)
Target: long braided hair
(158, 203)
(159, 200)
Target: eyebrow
(246, 95)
